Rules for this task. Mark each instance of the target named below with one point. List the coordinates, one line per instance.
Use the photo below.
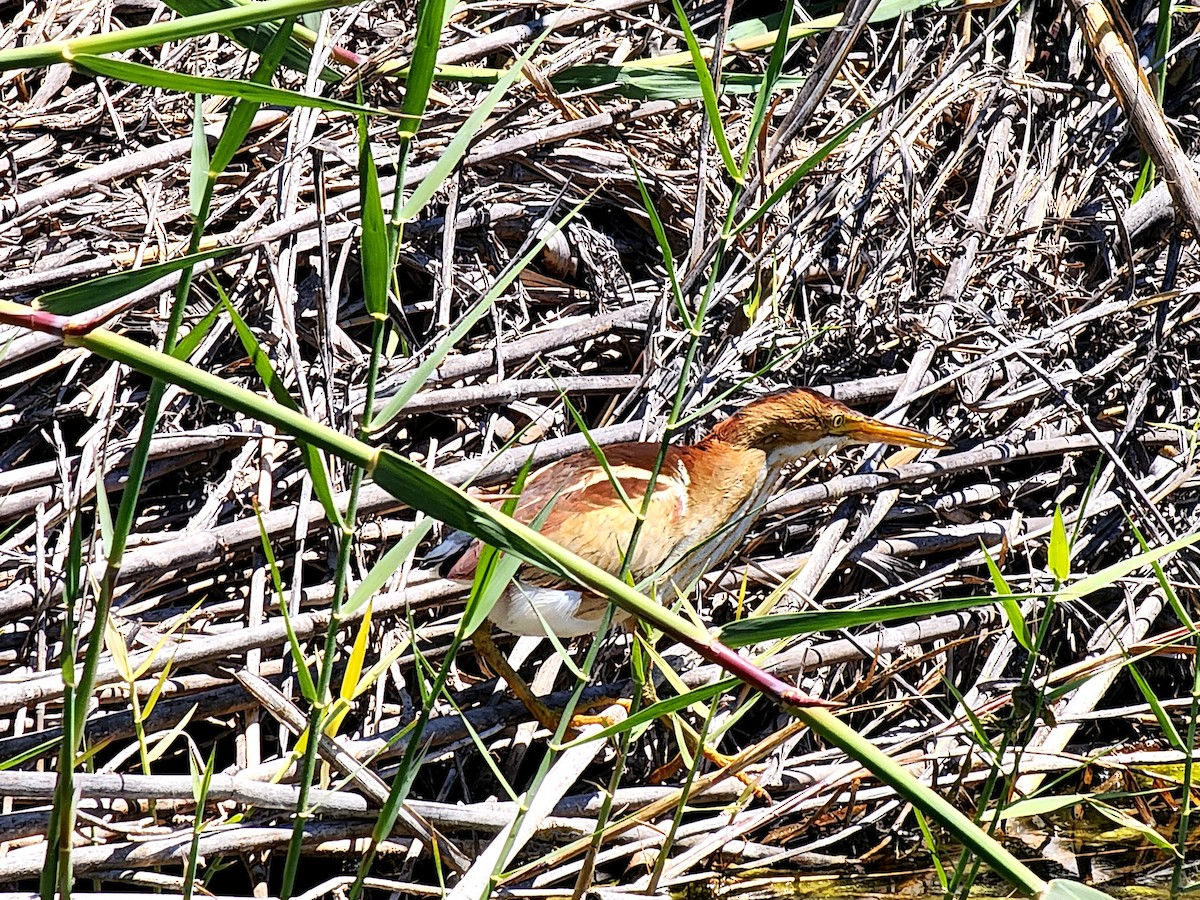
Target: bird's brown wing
(589, 518)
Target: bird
(705, 498)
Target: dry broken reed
(968, 258)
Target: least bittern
(704, 501)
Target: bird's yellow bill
(872, 431)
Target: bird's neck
(727, 486)
(764, 428)
(734, 473)
(748, 429)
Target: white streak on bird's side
(671, 484)
(598, 475)
(684, 480)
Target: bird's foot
(672, 767)
(545, 716)
(580, 720)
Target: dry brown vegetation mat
(968, 258)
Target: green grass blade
(493, 574)
(34, 752)
(1137, 826)
(1061, 889)
(198, 180)
(78, 298)
(373, 252)
(241, 119)
(431, 17)
(159, 683)
(194, 338)
(421, 374)
(1181, 613)
(708, 91)
(495, 571)
(450, 158)
(52, 52)
(1058, 555)
(932, 846)
(1118, 570)
(1039, 806)
(664, 247)
(745, 632)
(159, 365)
(103, 510)
(978, 732)
(598, 452)
(164, 743)
(1160, 713)
(297, 54)
(661, 708)
(308, 688)
(386, 567)
(56, 869)
(317, 470)
(1012, 609)
(673, 83)
(201, 782)
(136, 73)
(807, 166)
(772, 79)
(888, 770)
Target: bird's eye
(838, 420)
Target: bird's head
(798, 423)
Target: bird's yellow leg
(545, 716)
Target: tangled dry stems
(967, 258)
